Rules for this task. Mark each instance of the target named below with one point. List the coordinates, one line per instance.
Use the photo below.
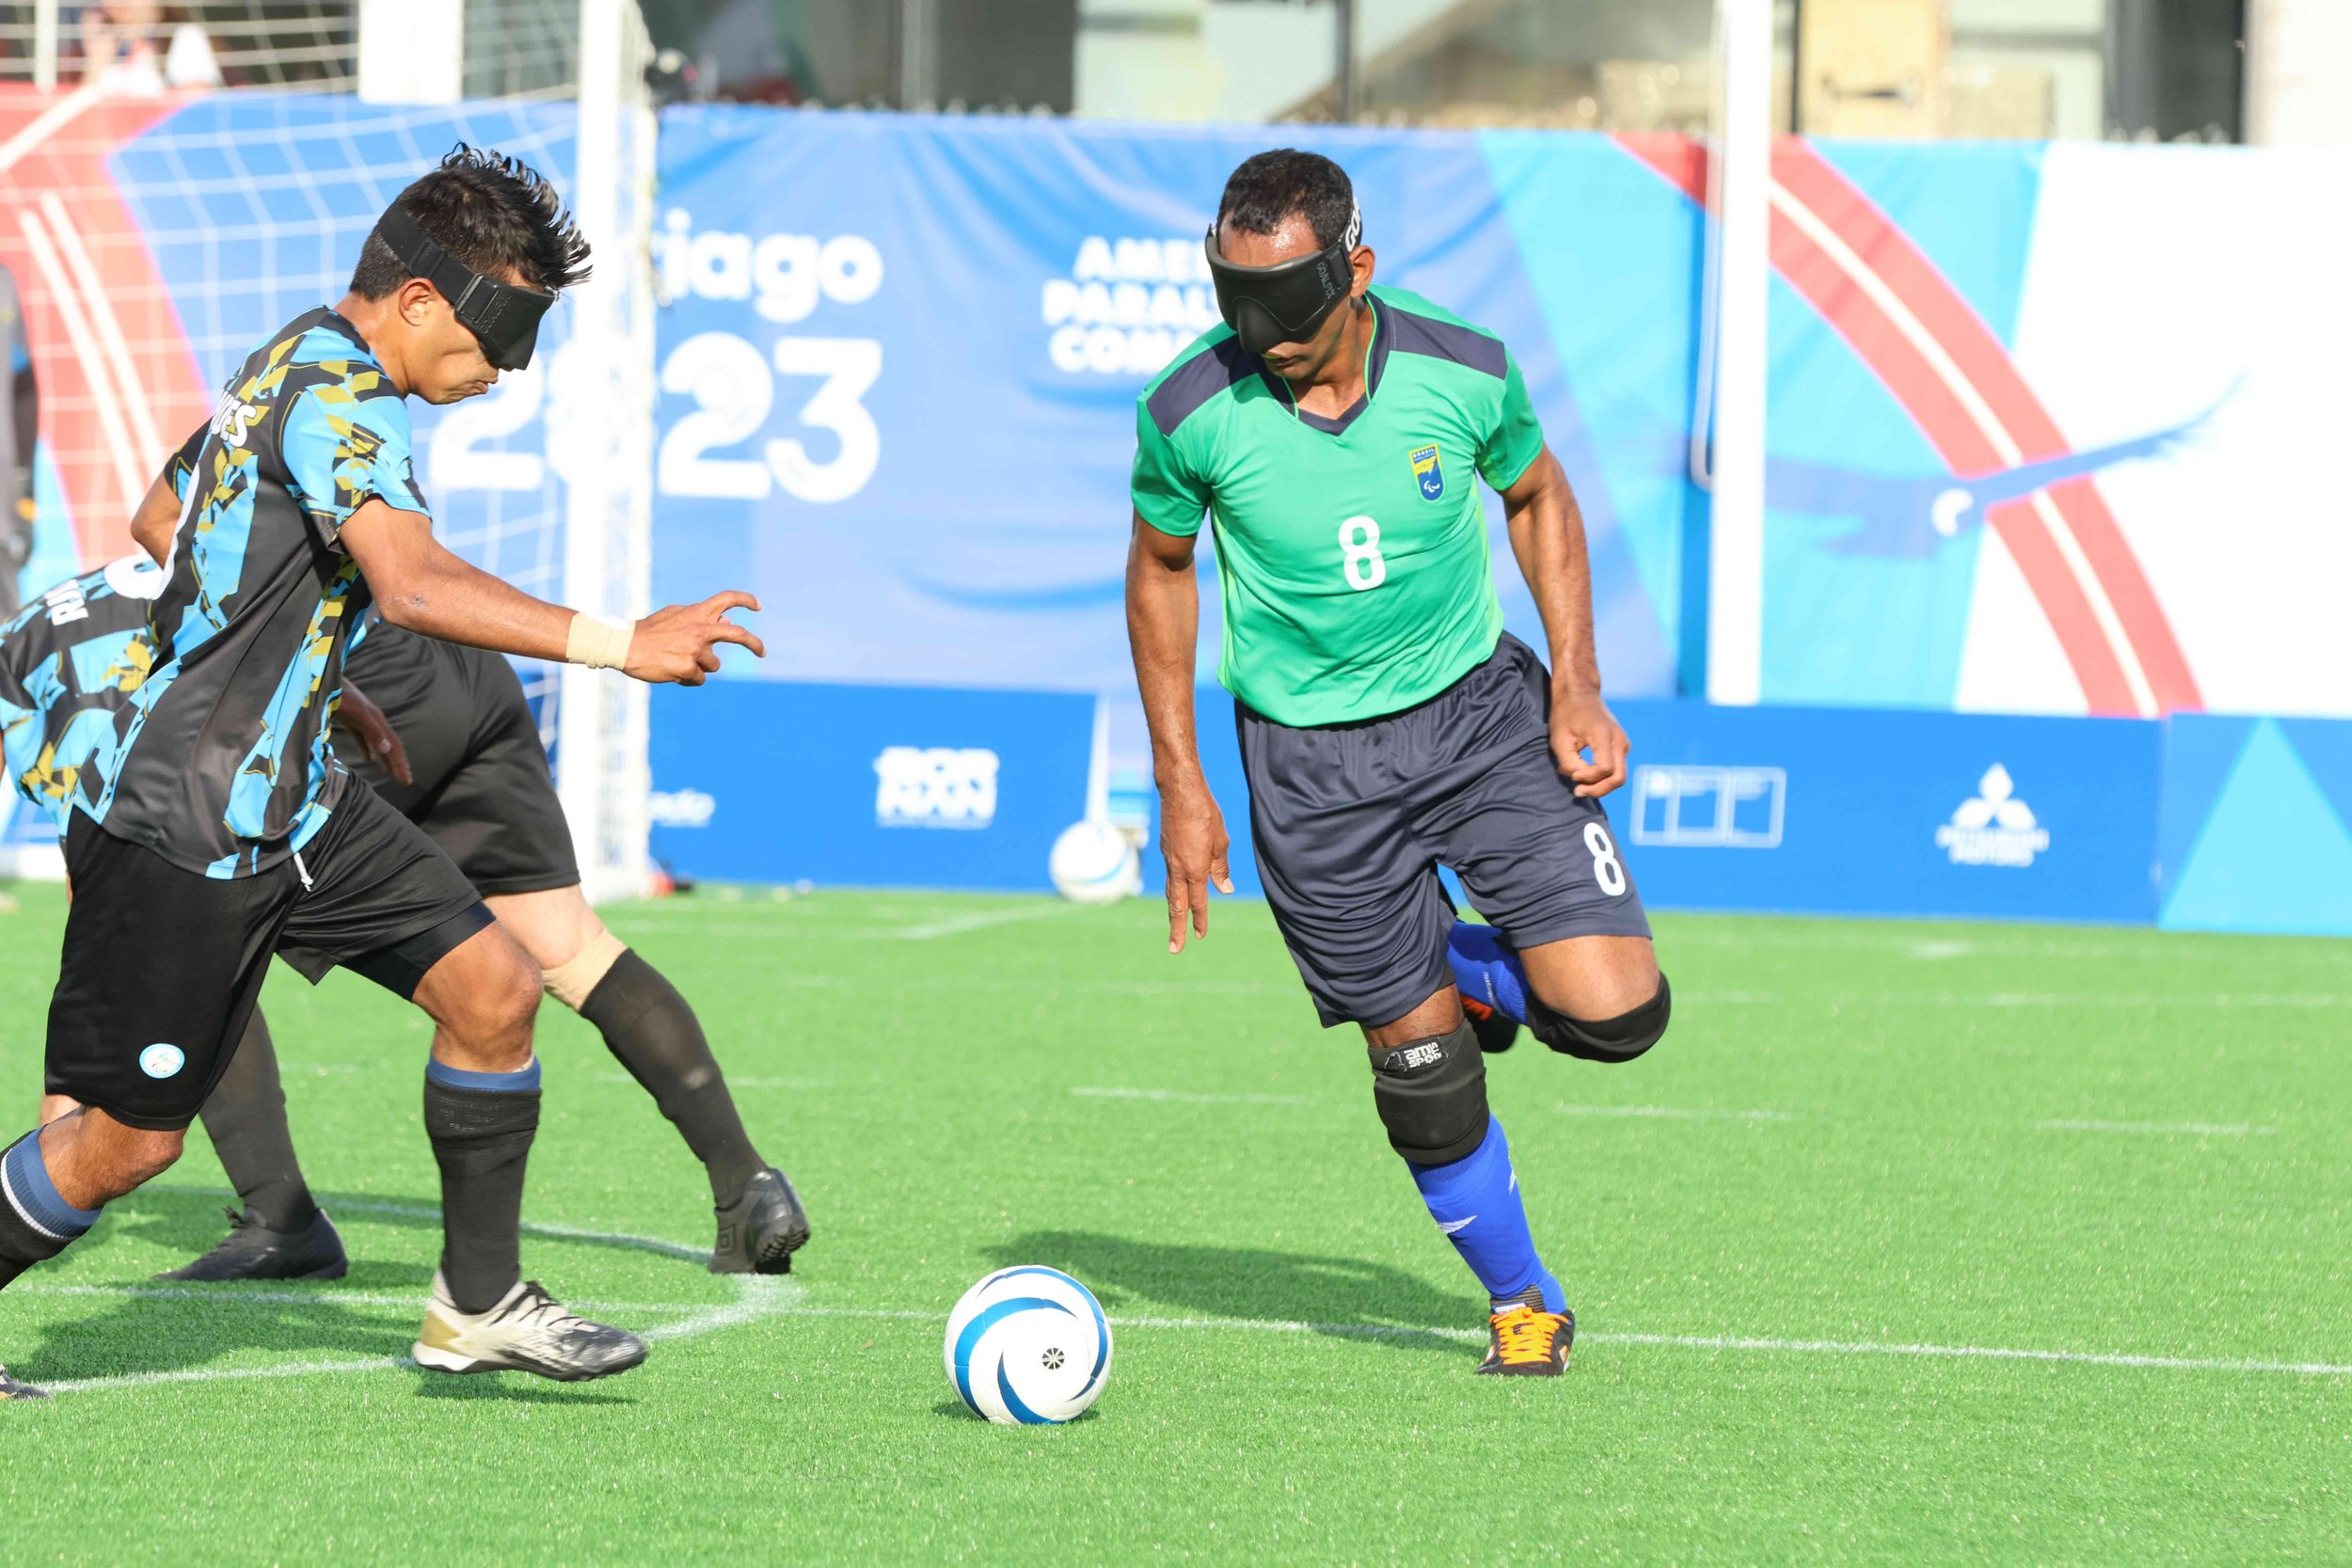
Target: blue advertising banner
(1838, 810)
(769, 781)
(900, 356)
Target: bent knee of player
(484, 995)
(1593, 977)
(146, 1154)
(94, 1159)
(553, 926)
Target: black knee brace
(1432, 1096)
(1613, 1039)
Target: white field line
(1188, 1098)
(327, 1293)
(755, 1298)
(956, 925)
(534, 1228)
(760, 1298)
(734, 1083)
(1671, 1341)
(2159, 1129)
(1671, 1113)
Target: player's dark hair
(1270, 187)
(491, 213)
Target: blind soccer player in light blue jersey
(1330, 431)
(211, 823)
(444, 734)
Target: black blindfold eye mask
(503, 317)
(1286, 303)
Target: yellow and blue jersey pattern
(225, 765)
(70, 662)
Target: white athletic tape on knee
(571, 982)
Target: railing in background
(274, 43)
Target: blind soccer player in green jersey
(442, 732)
(211, 824)
(1388, 724)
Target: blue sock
(34, 1222)
(1487, 971)
(1475, 1201)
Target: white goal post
(600, 444)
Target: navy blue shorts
(1351, 822)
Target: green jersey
(1351, 553)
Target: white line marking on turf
(756, 1297)
(955, 925)
(1671, 1341)
(2194, 1129)
(734, 1083)
(536, 1227)
(1186, 1097)
(1671, 1112)
(327, 1293)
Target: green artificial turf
(1858, 1138)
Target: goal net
(156, 239)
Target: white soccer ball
(1094, 862)
(1028, 1346)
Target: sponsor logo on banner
(1992, 827)
(1689, 807)
(680, 808)
(1427, 472)
(935, 786)
(1127, 305)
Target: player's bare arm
(1163, 627)
(157, 516)
(368, 724)
(1548, 537)
(422, 587)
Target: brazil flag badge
(1427, 471)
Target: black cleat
(253, 1251)
(1496, 1030)
(11, 1389)
(760, 1230)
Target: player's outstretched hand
(681, 642)
(1579, 720)
(1193, 839)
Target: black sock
(480, 1124)
(647, 1025)
(34, 1222)
(246, 1118)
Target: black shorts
(1351, 822)
(483, 791)
(162, 966)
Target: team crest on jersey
(1427, 471)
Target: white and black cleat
(11, 1389)
(762, 1228)
(529, 1331)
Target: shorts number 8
(1606, 870)
(1359, 554)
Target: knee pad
(1432, 1096)
(1611, 1040)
